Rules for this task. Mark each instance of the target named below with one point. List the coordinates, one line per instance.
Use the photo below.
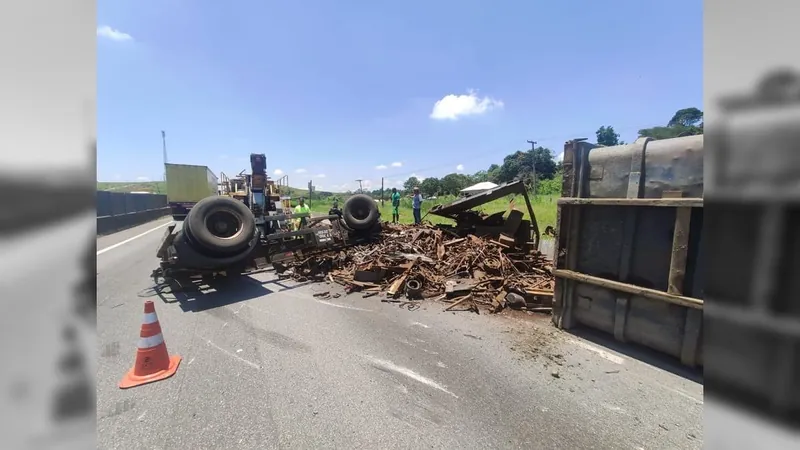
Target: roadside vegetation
(544, 207)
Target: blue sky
(340, 90)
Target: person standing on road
(416, 204)
(395, 206)
(301, 208)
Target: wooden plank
(652, 294)
(621, 317)
(660, 202)
(691, 337)
(680, 251)
(458, 302)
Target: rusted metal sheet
(455, 210)
(452, 209)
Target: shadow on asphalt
(203, 295)
(640, 353)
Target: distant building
(478, 188)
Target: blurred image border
(751, 104)
(48, 133)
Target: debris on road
(448, 265)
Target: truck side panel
(621, 267)
(187, 185)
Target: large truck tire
(360, 212)
(219, 225)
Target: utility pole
(360, 188)
(164, 146)
(381, 191)
(533, 147)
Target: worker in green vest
(301, 208)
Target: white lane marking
(618, 360)
(403, 341)
(233, 355)
(119, 244)
(417, 324)
(680, 392)
(343, 306)
(613, 408)
(392, 367)
(603, 354)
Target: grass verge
(544, 207)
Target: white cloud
(115, 35)
(142, 178)
(277, 172)
(367, 184)
(397, 164)
(460, 168)
(320, 175)
(451, 107)
(300, 171)
(419, 177)
(380, 167)
(560, 157)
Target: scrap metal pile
(412, 263)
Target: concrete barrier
(112, 224)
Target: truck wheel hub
(223, 224)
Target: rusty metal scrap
(425, 262)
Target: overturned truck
(224, 235)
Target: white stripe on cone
(150, 318)
(150, 342)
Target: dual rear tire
(219, 226)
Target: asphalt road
(268, 365)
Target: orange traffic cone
(153, 363)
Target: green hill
(155, 187)
(160, 187)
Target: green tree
(480, 176)
(607, 136)
(430, 186)
(493, 172)
(551, 186)
(410, 184)
(685, 122)
(521, 165)
(687, 117)
(453, 183)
